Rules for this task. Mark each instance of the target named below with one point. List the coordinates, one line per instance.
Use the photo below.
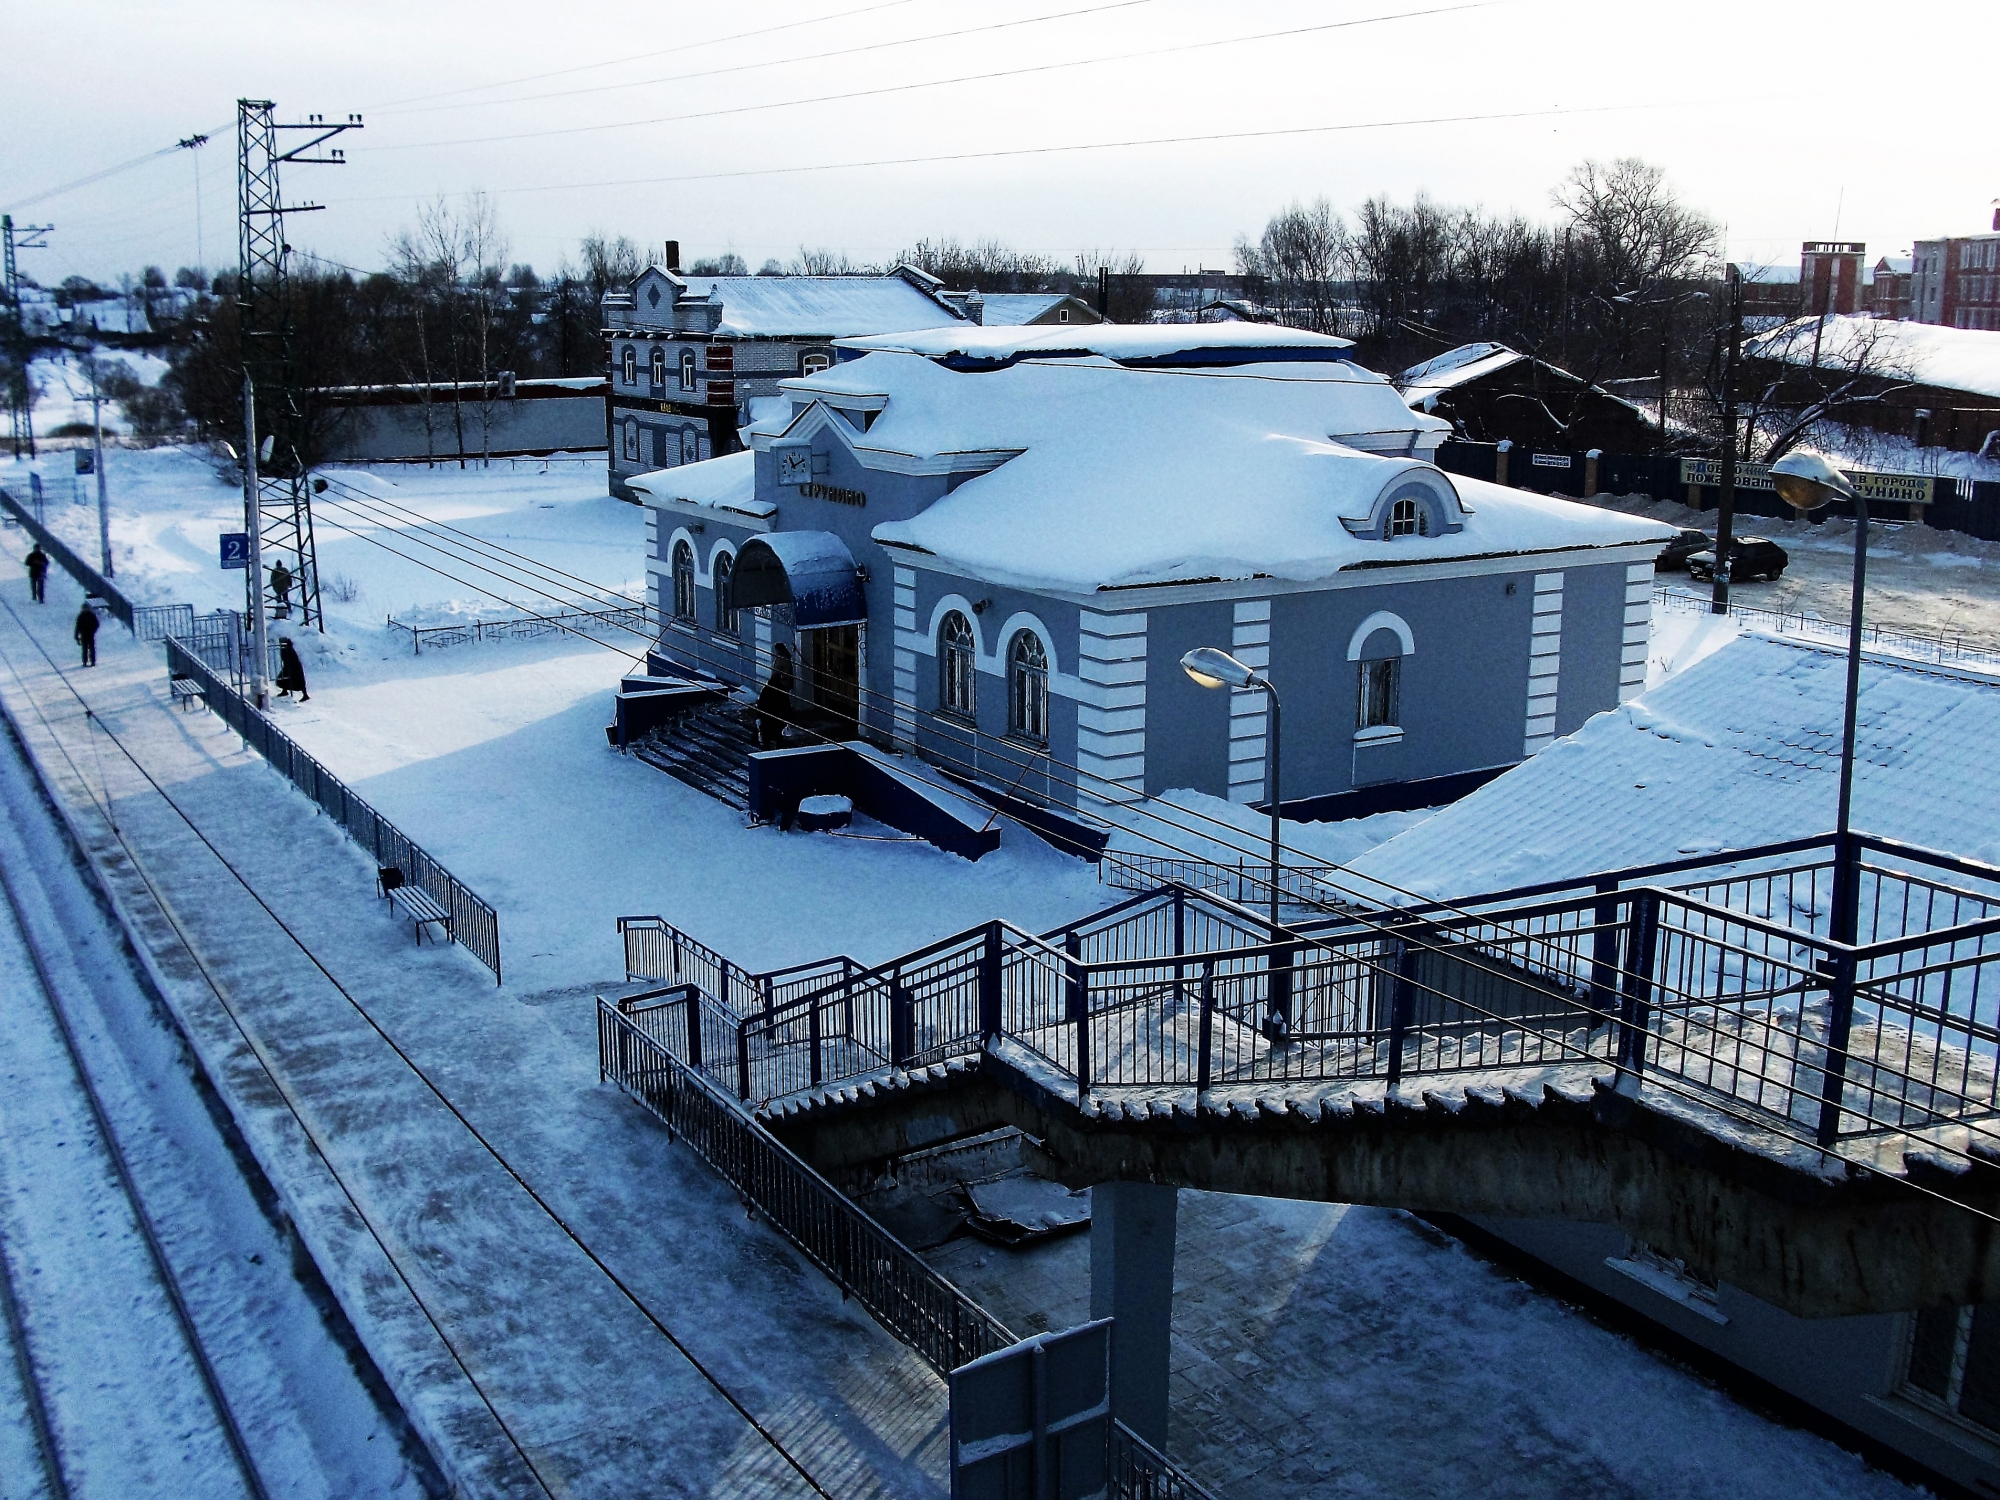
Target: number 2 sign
(236, 549)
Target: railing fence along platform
(92, 581)
(475, 925)
(1715, 974)
(634, 618)
(643, 1041)
(1946, 648)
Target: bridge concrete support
(1132, 1282)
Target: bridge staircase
(1697, 1008)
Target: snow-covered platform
(560, 1302)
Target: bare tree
(1129, 295)
(1301, 261)
(1821, 372)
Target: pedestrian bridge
(1681, 1049)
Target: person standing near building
(774, 703)
(86, 633)
(281, 589)
(291, 671)
(38, 573)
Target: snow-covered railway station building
(993, 546)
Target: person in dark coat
(86, 633)
(281, 588)
(774, 703)
(291, 671)
(38, 573)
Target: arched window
(631, 365)
(958, 693)
(1408, 518)
(683, 581)
(687, 369)
(1028, 687)
(812, 364)
(728, 619)
(689, 450)
(632, 441)
(659, 365)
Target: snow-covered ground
(62, 389)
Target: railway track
(164, 1338)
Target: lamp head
(1805, 481)
(1212, 667)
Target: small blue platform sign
(236, 549)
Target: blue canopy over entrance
(810, 570)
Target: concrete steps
(708, 748)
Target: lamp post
(1212, 667)
(1806, 482)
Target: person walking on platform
(281, 588)
(291, 671)
(38, 574)
(86, 633)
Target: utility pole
(1725, 505)
(259, 628)
(20, 389)
(97, 463)
(280, 515)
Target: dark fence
(635, 619)
(155, 622)
(868, 1263)
(93, 581)
(1968, 506)
(475, 926)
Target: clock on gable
(795, 465)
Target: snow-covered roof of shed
(817, 306)
(1453, 362)
(1012, 309)
(728, 483)
(1179, 343)
(1107, 476)
(1956, 359)
(1742, 748)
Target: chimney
(673, 255)
(975, 306)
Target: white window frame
(1028, 689)
(659, 366)
(687, 369)
(958, 669)
(681, 563)
(630, 364)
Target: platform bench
(184, 690)
(417, 904)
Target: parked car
(1674, 556)
(1750, 558)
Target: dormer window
(631, 365)
(1408, 518)
(687, 369)
(812, 364)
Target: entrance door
(835, 671)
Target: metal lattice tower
(284, 485)
(19, 347)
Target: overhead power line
(1062, 65)
(1078, 148)
(399, 106)
(124, 166)
(779, 62)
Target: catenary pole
(97, 463)
(1725, 507)
(259, 632)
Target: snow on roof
(728, 483)
(816, 306)
(1103, 476)
(1433, 371)
(1212, 343)
(1742, 748)
(1957, 359)
(1011, 309)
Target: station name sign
(1887, 489)
(839, 496)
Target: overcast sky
(1784, 121)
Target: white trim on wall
(1638, 641)
(1544, 663)
(1111, 717)
(722, 548)
(1382, 619)
(1249, 712)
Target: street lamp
(1212, 667)
(1806, 482)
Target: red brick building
(1830, 276)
